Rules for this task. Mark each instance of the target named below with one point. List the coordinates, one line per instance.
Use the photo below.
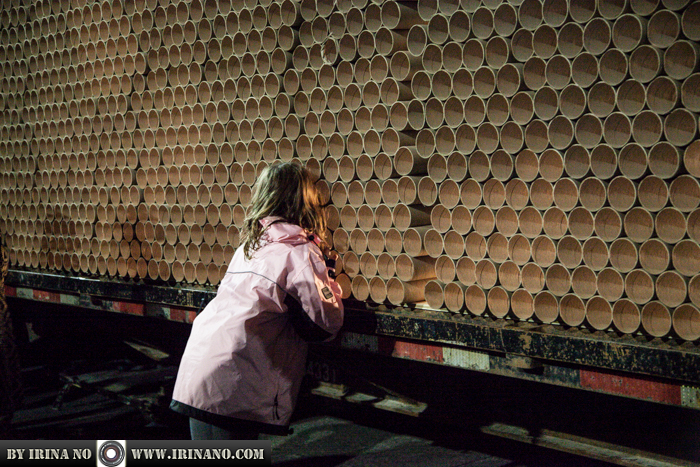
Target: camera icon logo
(111, 453)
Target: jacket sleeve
(314, 300)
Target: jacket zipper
(275, 413)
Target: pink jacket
(245, 357)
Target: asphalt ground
(338, 433)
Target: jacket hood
(281, 231)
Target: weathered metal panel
(633, 354)
(10, 291)
(22, 292)
(417, 351)
(190, 296)
(69, 299)
(468, 359)
(46, 296)
(690, 397)
(364, 342)
(631, 386)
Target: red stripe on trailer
(411, 350)
(182, 315)
(129, 308)
(10, 291)
(640, 388)
(46, 296)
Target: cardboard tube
(546, 307)
(360, 288)
(383, 220)
(399, 16)
(348, 217)
(497, 246)
(656, 319)
(517, 194)
(466, 271)
(445, 269)
(530, 14)
(680, 127)
(632, 161)
(608, 224)
(475, 246)
(662, 94)
(368, 264)
(543, 251)
(570, 252)
(541, 194)
(592, 194)
(694, 290)
(555, 223)
(498, 109)
(622, 194)
(597, 36)
(570, 40)
(584, 282)
(572, 101)
(584, 69)
(377, 289)
(684, 257)
(645, 63)
(527, 165)
(671, 288)
(497, 52)
(399, 292)
(601, 99)
(452, 245)
(626, 316)
(560, 132)
(475, 299)
(639, 286)
(435, 295)
(653, 193)
(617, 129)
(680, 59)
(484, 82)
(610, 284)
(483, 220)
(498, 302)
(599, 313)
(536, 136)
(671, 225)
(410, 268)
(522, 304)
(686, 320)
(482, 25)
(544, 41)
(639, 224)
(440, 218)
(572, 310)
(595, 253)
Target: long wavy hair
(283, 190)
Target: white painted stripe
(690, 397)
(351, 340)
(25, 293)
(466, 359)
(70, 299)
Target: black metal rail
(637, 354)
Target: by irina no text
(120, 453)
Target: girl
(246, 355)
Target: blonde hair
(283, 190)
